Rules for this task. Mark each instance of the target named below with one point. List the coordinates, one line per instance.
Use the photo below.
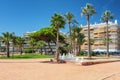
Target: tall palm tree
(106, 16)
(20, 42)
(77, 37)
(13, 42)
(0, 43)
(88, 11)
(57, 22)
(6, 38)
(69, 17)
(80, 41)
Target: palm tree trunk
(21, 50)
(20, 47)
(13, 51)
(70, 36)
(8, 54)
(79, 48)
(107, 36)
(50, 47)
(89, 45)
(45, 51)
(32, 49)
(74, 47)
(57, 46)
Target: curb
(97, 62)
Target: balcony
(113, 30)
(102, 31)
(101, 35)
(85, 29)
(85, 43)
(101, 27)
(96, 36)
(96, 31)
(84, 47)
(101, 43)
(96, 43)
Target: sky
(21, 16)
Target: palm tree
(57, 22)
(106, 16)
(69, 17)
(80, 41)
(0, 43)
(88, 11)
(6, 38)
(13, 42)
(77, 37)
(20, 42)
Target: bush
(62, 50)
(93, 53)
(81, 53)
(27, 50)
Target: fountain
(82, 59)
(71, 57)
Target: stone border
(86, 63)
(97, 62)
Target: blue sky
(21, 16)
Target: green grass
(26, 56)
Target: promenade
(36, 69)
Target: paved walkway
(34, 69)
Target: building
(48, 49)
(98, 34)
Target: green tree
(88, 11)
(32, 43)
(41, 44)
(14, 42)
(106, 16)
(57, 22)
(20, 42)
(6, 38)
(46, 34)
(77, 37)
(80, 41)
(69, 17)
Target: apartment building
(47, 47)
(98, 33)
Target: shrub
(62, 50)
(27, 50)
(93, 53)
(81, 53)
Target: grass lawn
(26, 56)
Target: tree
(77, 37)
(106, 16)
(14, 42)
(69, 17)
(6, 38)
(80, 41)
(32, 43)
(88, 11)
(57, 22)
(20, 42)
(46, 34)
(41, 44)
